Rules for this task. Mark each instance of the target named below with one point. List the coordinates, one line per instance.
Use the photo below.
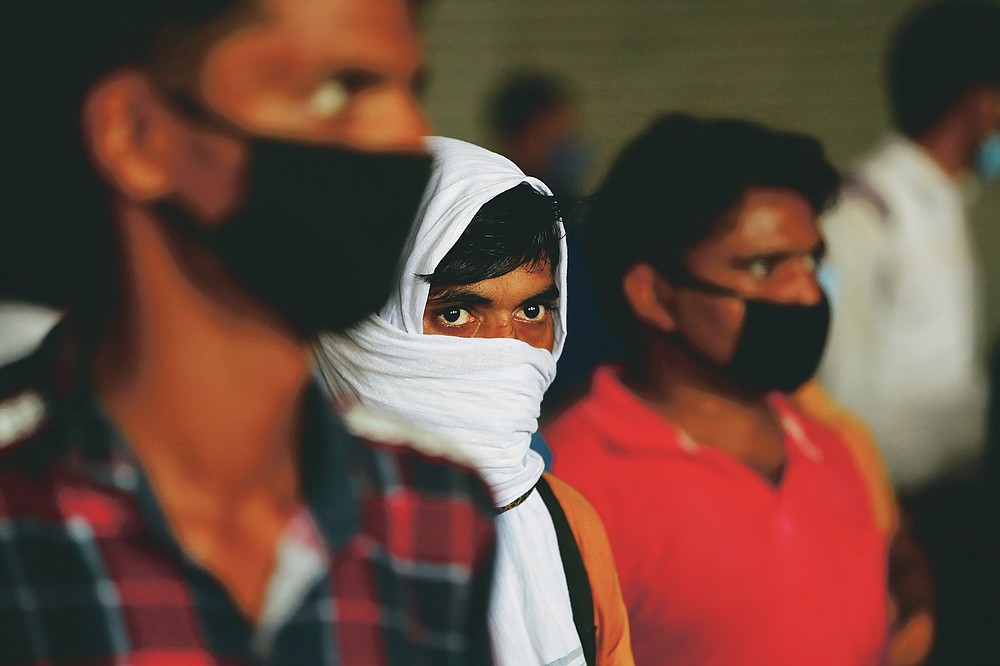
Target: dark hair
(673, 185)
(940, 53)
(518, 227)
(521, 97)
(56, 238)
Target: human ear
(649, 296)
(128, 135)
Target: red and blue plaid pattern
(90, 573)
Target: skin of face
(519, 305)
(769, 250)
(335, 72)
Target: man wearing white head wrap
(481, 383)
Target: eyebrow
(461, 295)
(356, 79)
(549, 294)
(458, 294)
(359, 78)
(818, 251)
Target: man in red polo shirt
(743, 528)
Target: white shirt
(902, 281)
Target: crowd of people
(274, 359)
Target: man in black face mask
(745, 530)
(173, 487)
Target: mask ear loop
(681, 278)
(191, 109)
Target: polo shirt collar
(627, 423)
(632, 427)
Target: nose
(806, 289)
(393, 121)
(498, 328)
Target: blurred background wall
(809, 65)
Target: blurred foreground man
(173, 488)
(745, 531)
(903, 280)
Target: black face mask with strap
(320, 229)
(779, 345)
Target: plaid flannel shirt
(388, 562)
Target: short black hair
(56, 236)
(519, 227)
(521, 98)
(672, 187)
(939, 54)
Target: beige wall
(809, 65)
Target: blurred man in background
(904, 286)
(903, 346)
(535, 123)
(173, 486)
(745, 529)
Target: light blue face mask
(988, 158)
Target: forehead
(291, 41)
(510, 288)
(363, 29)
(766, 219)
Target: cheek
(540, 336)
(712, 325)
(210, 175)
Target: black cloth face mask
(779, 345)
(320, 229)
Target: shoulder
(586, 525)
(588, 528)
(843, 430)
(613, 639)
(861, 213)
(578, 510)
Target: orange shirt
(613, 643)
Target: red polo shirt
(718, 566)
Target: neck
(691, 392)
(206, 392)
(700, 400)
(671, 380)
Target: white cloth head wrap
(484, 394)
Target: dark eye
(533, 312)
(454, 316)
(761, 268)
(329, 99)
